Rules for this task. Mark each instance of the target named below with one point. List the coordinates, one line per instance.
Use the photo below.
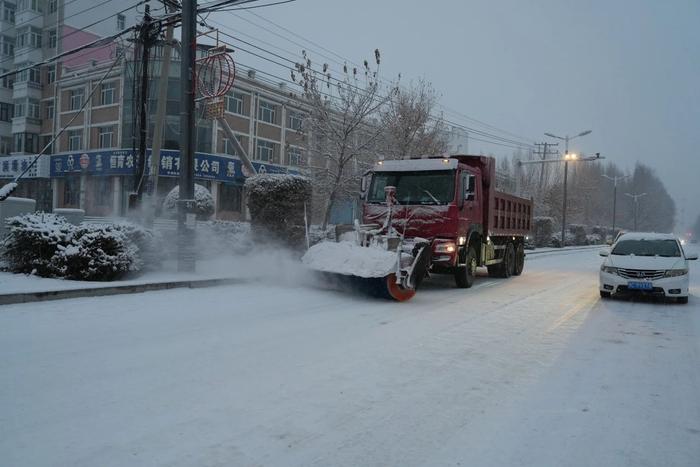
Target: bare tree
(341, 128)
(410, 128)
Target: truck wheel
(519, 260)
(464, 276)
(508, 261)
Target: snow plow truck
(433, 215)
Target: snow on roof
(647, 236)
(410, 165)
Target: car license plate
(639, 285)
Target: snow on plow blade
(371, 270)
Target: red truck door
(470, 212)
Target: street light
(614, 180)
(567, 157)
(636, 205)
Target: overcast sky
(628, 70)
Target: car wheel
(604, 294)
(508, 261)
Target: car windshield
(425, 187)
(667, 248)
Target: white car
(646, 263)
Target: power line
(350, 61)
(510, 142)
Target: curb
(30, 297)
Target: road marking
(572, 312)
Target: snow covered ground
(534, 370)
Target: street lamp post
(636, 205)
(567, 157)
(614, 180)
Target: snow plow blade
(381, 273)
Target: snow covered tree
(342, 126)
(204, 202)
(410, 128)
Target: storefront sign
(121, 162)
(11, 166)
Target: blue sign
(122, 162)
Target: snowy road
(535, 371)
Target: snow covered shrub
(204, 203)
(32, 242)
(149, 245)
(218, 237)
(579, 233)
(97, 252)
(276, 204)
(543, 227)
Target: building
(92, 164)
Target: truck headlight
(609, 269)
(445, 247)
(675, 272)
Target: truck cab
(452, 203)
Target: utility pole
(544, 151)
(146, 39)
(614, 213)
(567, 157)
(636, 205)
(186, 218)
(160, 117)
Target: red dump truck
(430, 215)
(453, 203)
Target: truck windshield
(667, 248)
(425, 187)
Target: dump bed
(503, 214)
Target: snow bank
(350, 259)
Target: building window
(103, 191)
(121, 22)
(106, 135)
(295, 120)
(265, 151)
(76, 98)
(5, 112)
(31, 75)
(229, 147)
(51, 74)
(230, 197)
(26, 142)
(46, 143)
(29, 36)
(20, 108)
(295, 156)
(267, 112)
(5, 145)
(8, 12)
(49, 110)
(53, 39)
(75, 140)
(8, 46)
(71, 191)
(8, 81)
(107, 94)
(234, 103)
(53, 6)
(33, 109)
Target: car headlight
(675, 272)
(609, 269)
